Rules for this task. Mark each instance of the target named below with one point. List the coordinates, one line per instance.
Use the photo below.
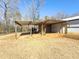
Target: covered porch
(42, 27)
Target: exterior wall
(59, 28)
(56, 28)
(73, 29)
(48, 28)
(73, 26)
(63, 27)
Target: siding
(56, 28)
(73, 26)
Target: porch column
(42, 29)
(66, 29)
(21, 28)
(60, 28)
(31, 31)
(16, 31)
(39, 28)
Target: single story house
(50, 25)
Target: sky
(51, 7)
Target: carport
(45, 26)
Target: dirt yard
(39, 47)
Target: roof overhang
(23, 22)
(71, 18)
(49, 21)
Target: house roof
(27, 22)
(49, 21)
(19, 22)
(71, 18)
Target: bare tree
(8, 7)
(16, 15)
(34, 9)
(61, 15)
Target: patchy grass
(28, 47)
(72, 35)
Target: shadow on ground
(24, 34)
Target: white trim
(71, 18)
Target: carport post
(42, 29)
(15, 31)
(66, 29)
(21, 28)
(31, 31)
